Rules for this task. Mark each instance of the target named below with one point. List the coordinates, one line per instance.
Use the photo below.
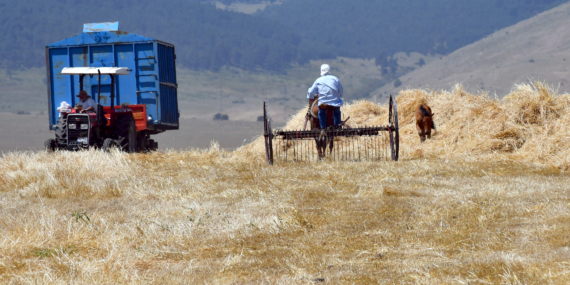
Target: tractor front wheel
(61, 130)
(108, 144)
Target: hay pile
(531, 124)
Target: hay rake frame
(352, 144)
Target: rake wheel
(394, 130)
(268, 133)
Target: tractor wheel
(50, 145)
(126, 131)
(61, 131)
(142, 142)
(152, 145)
(108, 144)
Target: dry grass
(484, 202)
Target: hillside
(201, 92)
(376, 29)
(538, 48)
(206, 38)
(485, 201)
(275, 39)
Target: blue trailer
(149, 87)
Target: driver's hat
(325, 68)
(82, 93)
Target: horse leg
(318, 144)
(427, 126)
(421, 131)
(315, 125)
(322, 144)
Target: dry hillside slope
(537, 48)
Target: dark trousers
(323, 112)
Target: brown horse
(424, 121)
(313, 118)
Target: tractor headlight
(72, 126)
(84, 126)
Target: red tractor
(123, 127)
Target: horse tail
(424, 112)
(433, 125)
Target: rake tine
(374, 152)
(286, 150)
(379, 146)
(352, 143)
(306, 150)
(356, 144)
(376, 145)
(342, 152)
(295, 152)
(332, 142)
(359, 148)
(295, 149)
(365, 147)
(378, 149)
(335, 149)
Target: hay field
(484, 202)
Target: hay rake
(365, 143)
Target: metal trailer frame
(369, 149)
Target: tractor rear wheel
(126, 131)
(142, 142)
(50, 145)
(108, 144)
(61, 131)
(152, 145)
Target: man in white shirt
(330, 92)
(87, 102)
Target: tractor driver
(87, 102)
(330, 91)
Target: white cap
(325, 68)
